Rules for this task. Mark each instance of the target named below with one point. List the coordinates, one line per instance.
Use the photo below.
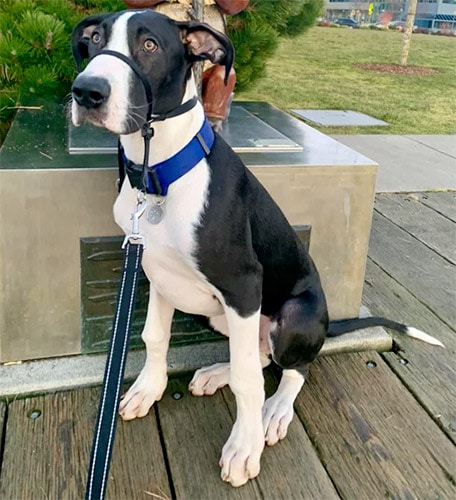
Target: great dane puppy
(222, 248)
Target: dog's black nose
(90, 91)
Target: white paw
(148, 388)
(277, 416)
(207, 380)
(241, 455)
(278, 409)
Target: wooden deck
(367, 426)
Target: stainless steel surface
(246, 132)
(243, 131)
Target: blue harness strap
(168, 171)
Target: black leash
(105, 428)
(115, 367)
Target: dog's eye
(150, 45)
(96, 38)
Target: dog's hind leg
(208, 379)
(151, 382)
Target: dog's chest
(168, 259)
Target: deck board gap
(445, 216)
(3, 425)
(165, 452)
(440, 203)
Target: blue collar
(168, 171)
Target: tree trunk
(408, 30)
(198, 8)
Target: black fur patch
(246, 247)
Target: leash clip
(135, 235)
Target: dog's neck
(170, 135)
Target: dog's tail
(337, 328)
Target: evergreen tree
(35, 56)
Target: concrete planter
(50, 201)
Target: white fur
(425, 337)
(241, 454)
(207, 380)
(152, 380)
(118, 74)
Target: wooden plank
(138, 466)
(429, 277)
(47, 457)
(424, 223)
(290, 469)
(444, 203)
(373, 437)
(428, 371)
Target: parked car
(399, 26)
(348, 21)
(378, 26)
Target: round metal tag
(155, 214)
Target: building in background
(437, 14)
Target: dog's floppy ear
(81, 36)
(204, 42)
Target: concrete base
(49, 200)
(79, 371)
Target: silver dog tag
(155, 214)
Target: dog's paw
(277, 416)
(207, 380)
(148, 388)
(278, 409)
(241, 455)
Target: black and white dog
(221, 247)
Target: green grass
(316, 71)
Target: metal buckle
(135, 235)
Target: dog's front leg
(241, 454)
(151, 382)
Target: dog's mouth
(81, 115)
(99, 117)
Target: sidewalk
(410, 162)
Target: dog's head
(109, 94)
(295, 337)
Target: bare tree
(408, 30)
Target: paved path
(409, 163)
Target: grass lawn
(316, 71)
